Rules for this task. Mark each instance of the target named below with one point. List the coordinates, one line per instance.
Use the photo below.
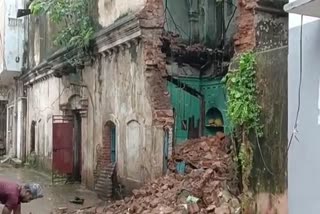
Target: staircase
(104, 185)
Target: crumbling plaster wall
(262, 28)
(43, 102)
(118, 86)
(126, 88)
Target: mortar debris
(209, 184)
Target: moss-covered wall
(262, 28)
(270, 164)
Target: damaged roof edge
(128, 24)
(304, 7)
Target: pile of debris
(201, 179)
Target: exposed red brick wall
(103, 151)
(152, 25)
(106, 148)
(245, 38)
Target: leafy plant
(72, 16)
(244, 113)
(243, 108)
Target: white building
(12, 61)
(304, 106)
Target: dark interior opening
(77, 146)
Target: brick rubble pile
(208, 185)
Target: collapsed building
(153, 81)
(119, 108)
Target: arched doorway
(109, 143)
(69, 126)
(106, 161)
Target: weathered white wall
(43, 102)
(111, 10)
(116, 90)
(118, 87)
(303, 161)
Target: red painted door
(62, 133)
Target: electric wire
(261, 154)
(295, 126)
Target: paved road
(55, 196)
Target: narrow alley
(55, 196)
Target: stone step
(104, 179)
(107, 193)
(103, 185)
(105, 174)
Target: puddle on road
(54, 195)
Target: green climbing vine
(75, 24)
(243, 108)
(244, 113)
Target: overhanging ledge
(304, 7)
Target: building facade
(154, 80)
(117, 110)
(12, 63)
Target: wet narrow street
(54, 196)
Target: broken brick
(207, 179)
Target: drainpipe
(93, 122)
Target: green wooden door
(187, 106)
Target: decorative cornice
(119, 36)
